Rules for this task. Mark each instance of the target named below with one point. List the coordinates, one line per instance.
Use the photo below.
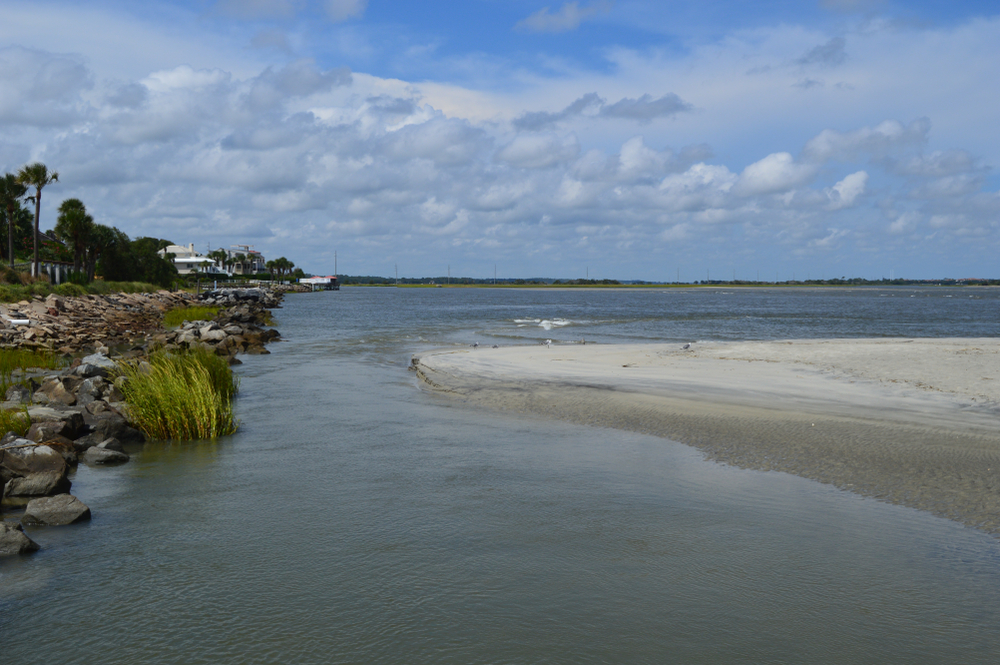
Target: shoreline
(907, 421)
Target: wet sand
(908, 421)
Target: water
(355, 518)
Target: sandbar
(908, 421)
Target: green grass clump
(21, 360)
(15, 420)
(180, 396)
(179, 315)
(70, 290)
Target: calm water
(357, 519)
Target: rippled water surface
(355, 518)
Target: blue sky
(623, 139)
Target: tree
(75, 226)
(220, 256)
(36, 175)
(12, 192)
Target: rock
(72, 416)
(13, 540)
(23, 457)
(39, 484)
(111, 444)
(98, 359)
(42, 431)
(18, 393)
(88, 370)
(64, 447)
(109, 425)
(97, 455)
(55, 511)
(216, 335)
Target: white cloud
(539, 151)
(847, 191)
(568, 17)
(776, 173)
(879, 141)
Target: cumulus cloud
(643, 109)
(568, 17)
(847, 191)
(539, 151)
(879, 141)
(42, 89)
(776, 173)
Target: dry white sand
(912, 421)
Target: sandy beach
(909, 421)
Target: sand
(909, 421)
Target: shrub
(78, 277)
(180, 396)
(179, 315)
(15, 420)
(70, 290)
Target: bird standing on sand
(547, 343)
(686, 346)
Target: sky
(621, 139)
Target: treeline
(93, 249)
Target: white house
(188, 261)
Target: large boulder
(71, 415)
(97, 455)
(32, 469)
(54, 391)
(46, 430)
(55, 511)
(107, 425)
(13, 540)
(38, 484)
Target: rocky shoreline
(78, 414)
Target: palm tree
(36, 175)
(75, 226)
(12, 193)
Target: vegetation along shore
(90, 378)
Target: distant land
(371, 280)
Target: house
(188, 261)
(245, 260)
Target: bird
(686, 346)
(496, 346)
(548, 343)
(475, 345)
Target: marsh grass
(21, 360)
(15, 420)
(175, 317)
(180, 396)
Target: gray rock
(72, 416)
(216, 335)
(109, 425)
(98, 359)
(44, 431)
(18, 393)
(87, 370)
(55, 511)
(13, 540)
(97, 455)
(111, 444)
(39, 484)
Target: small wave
(546, 324)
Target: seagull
(496, 346)
(548, 343)
(476, 345)
(686, 346)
